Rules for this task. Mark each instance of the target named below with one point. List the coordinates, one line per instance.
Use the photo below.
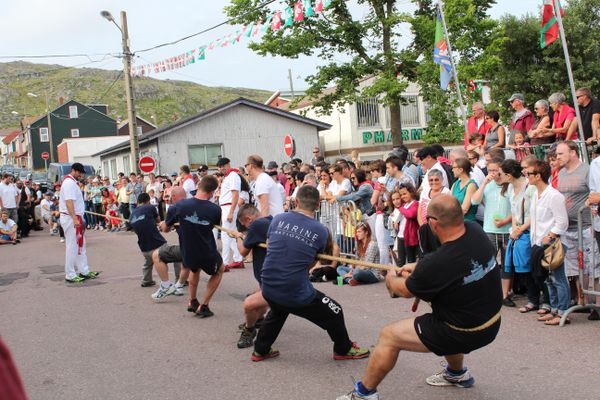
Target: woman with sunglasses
(363, 193)
(366, 250)
(496, 135)
(538, 132)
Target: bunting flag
(549, 31)
(267, 24)
(441, 56)
(201, 53)
(319, 6)
(298, 12)
(257, 29)
(276, 24)
(326, 4)
(249, 30)
(308, 8)
(289, 17)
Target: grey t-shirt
(574, 186)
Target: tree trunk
(396, 125)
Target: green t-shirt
(496, 206)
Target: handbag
(554, 255)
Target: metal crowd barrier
(341, 218)
(590, 290)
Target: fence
(341, 218)
(591, 278)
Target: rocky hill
(156, 101)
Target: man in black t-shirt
(197, 217)
(255, 305)
(589, 109)
(462, 283)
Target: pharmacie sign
(375, 137)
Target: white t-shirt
(156, 186)
(189, 187)
(281, 191)
(8, 226)
(230, 183)
(266, 185)
(8, 193)
(335, 188)
(45, 212)
(70, 191)
(477, 175)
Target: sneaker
(204, 311)
(507, 302)
(179, 291)
(354, 395)
(90, 275)
(353, 282)
(445, 378)
(246, 338)
(236, 264)
(148, 284)
(76, 279)
(62, 240)
(193, 305)
(163, 292)
(356, 352)
(256, 357)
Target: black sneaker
(204, 311)
(148, 284)
(507, 302)
(193, 305)
(90, 275)
(246, 338)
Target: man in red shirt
(477, 123)
(522, 119)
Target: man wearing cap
(228, 201)
(202, 171)
(71, 209)
(522, 119)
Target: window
(138, 129)
(126, 166)
(410, 111)
(44, 137)
(74, 132)
(73, 112)
(204, 154)
(367, 113)
(105, 168)
(113, 169)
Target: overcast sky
(41, 27)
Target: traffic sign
(289, 146)
(45, 155)
(147, 164)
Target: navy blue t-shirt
(196, 240)
(294, 241)
(143, 222)
(257, 233)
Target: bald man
(462, 283)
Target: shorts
(211, 267)
(569, 240)
(442, 340)
(5, 237)
(169, 253)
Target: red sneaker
(260, 357)
(237, 264)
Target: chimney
(61, 101)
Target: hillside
(165, 100)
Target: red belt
(226, 204)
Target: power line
(257, 8)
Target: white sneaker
(178, 290)
(445, 378)
(62, 240)
(162, 292)
(353, 395)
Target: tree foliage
(352, 49)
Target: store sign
(382, 137)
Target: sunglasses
(531, 173)
(353, 178)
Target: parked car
(58, 171)
(40, 178)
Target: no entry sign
(147, 164)
(289, 146)
(45, 155)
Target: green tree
(475, 43)
(367, 46)
(536, 72)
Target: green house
(70, 120)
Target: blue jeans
(90, 218)
(359, 275)
(559, 291)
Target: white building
(364, 126)
(82, 150)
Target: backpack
(451, 178)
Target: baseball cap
(173, 173)
(272, 165)
(78, 167)
(517, 96)
(223, 161)
(202, 167)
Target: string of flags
(277, 20)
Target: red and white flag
(549, 31)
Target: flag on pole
(549, 31)
(441, 55)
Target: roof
(11, 136)
(126, 121)
(156, 133)
(7, 131)
(36, 119)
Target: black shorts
(210, 267)
(442, 340)
(169, 253)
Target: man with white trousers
(228, 201)
(71, 207)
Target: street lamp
(131, 115)
(50, 141)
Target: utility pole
(131, 116)
(291, 82)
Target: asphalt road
(106, 339)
